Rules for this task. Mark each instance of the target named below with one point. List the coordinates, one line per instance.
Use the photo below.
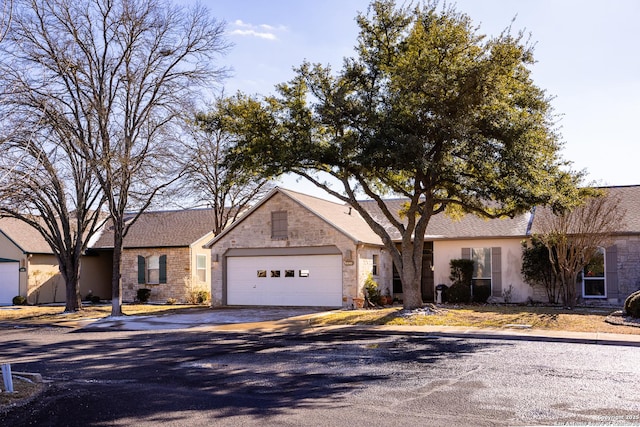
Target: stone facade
(179, 281)
(305, 230)
(628, 265)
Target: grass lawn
(486, 316)
(50, 314)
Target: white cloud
(253, 33)
(263, 31)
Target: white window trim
(203, 268)
(375, 265)
(490, 277)
(604, 278)
(155, 258)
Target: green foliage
(632, 305)
(481, 293)
(428, 109)
(143, 294)
(459, 293)
(372, 290)
(461, 271)
(537, 269)
(19, 300)
(461, 274)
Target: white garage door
(9, 282)
(309, 280)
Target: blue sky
(587, 53)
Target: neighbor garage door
(291, 280)
(9, 281)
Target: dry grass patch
(489, 316)
(23, 388)
(52, 314)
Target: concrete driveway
(206, 318)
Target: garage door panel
(9, 282)
(316, 280)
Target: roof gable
(338, 215)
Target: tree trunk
(69, 266)
(569, 297)
(411, 276)
(116, 278)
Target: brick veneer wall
(628, 265)
(178, 274)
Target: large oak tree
(427, 109)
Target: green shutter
(141, 270)
(163, 269)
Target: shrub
(459, 293)
(481, 293)
(198, 296)
(632, 305)
(143, 295)
(372, 290)
(95, 299)
(628, 301)
(19, 300)
(171, 301)
(461, 271)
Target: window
(153, 270)
(275, 273)
(303, 273)
(201, 268)
(279, 227)
(262, 273)
(289, 273)
(593, 277)
(481, 268)
(374, 268)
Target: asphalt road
(340, 378)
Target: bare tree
(573, 238)
(118, 73)
(228, 191)
(50, 187)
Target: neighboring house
(615, 272)
(163, 251)
(29, 268)
(294, 249)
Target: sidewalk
(297, 321)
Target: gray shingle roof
(442, 226)
(629, 201)
(162, 229)
(25, 236)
